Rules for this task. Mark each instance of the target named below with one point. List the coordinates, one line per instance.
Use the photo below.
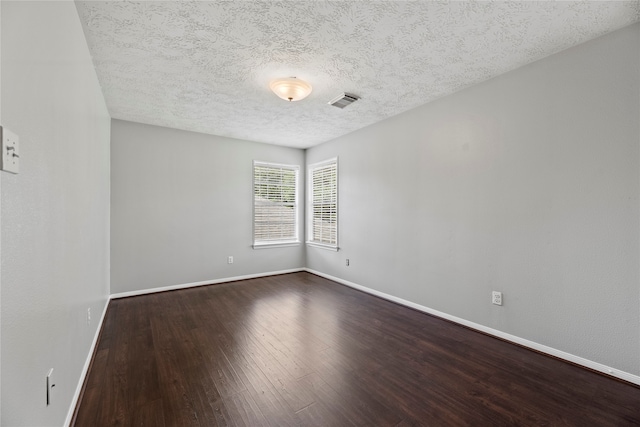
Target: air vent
(343, 100)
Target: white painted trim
(635, 379)
(92, 349)
(275, 245)
(323, 246)
(85, 369)
(205, 282)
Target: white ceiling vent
(343, 100)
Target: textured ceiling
(205, 66)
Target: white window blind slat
(324, 203)
(275, 203)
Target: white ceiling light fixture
(291, 88)
(218, 96)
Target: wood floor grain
(300, 350)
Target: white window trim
(280, 244)
(323, 246)
(275, 243)
(309, 221)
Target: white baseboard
(635, 379)
(87, 363)
(85, 369)
(206, 282)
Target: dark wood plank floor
(299, 350)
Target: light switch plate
(10, 159)
(50, 385)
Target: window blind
(324, 203)
(275, 219)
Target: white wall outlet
(10, 158)
(230, 260)
(347, 262)
(496, 298)
(88, 316)
(50, 386)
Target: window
(275, 204)
(323, 201)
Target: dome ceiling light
(290, 88)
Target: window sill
(323, 246)
(275, 245)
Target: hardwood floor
(300, 350)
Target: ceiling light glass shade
(291, 88)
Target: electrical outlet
(347, 263)
(88, 316)
(230, 260)
(496, 298)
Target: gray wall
(55, 213)
(527, 184)
(181, 202)
(0, 218)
